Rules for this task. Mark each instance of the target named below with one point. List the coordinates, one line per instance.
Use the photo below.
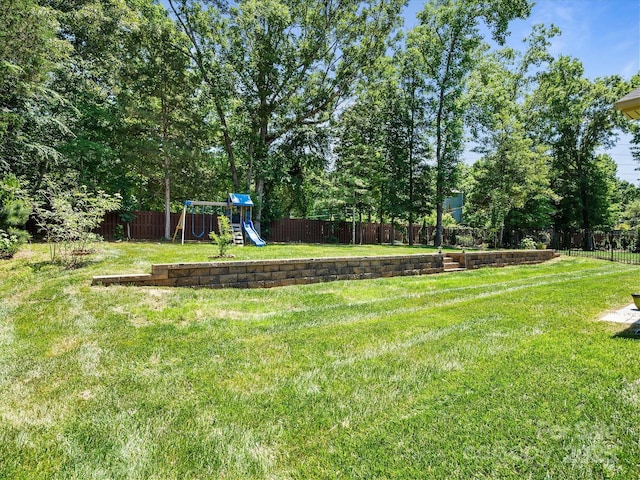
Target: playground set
(237, 209)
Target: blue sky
(603, 34)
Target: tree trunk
(411, 142)
(440, 165)
(411, 240)
(167, 201)
(381, 219)
(353, 226)
(257, 221)
(258, 156)
(228, 145)
(437, 241)
(392, 238)
(584, 200)
(167, 180)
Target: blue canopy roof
(240, 199)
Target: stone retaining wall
(473, 259)
(278, 273)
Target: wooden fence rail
(150, 226)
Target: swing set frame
(183, 217)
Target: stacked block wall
(278, 273)
(473, 259)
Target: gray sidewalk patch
(629, 315)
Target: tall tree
(29, 52)
(575, 118)
(448, 37)
(411, 92)
(381, 151)
(134, 105)
(160, 98)
(92, 81)
(277, 65)
(513, 171)
(358, 164)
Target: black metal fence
(615, 246)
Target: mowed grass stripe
(510, 448)
(484, 374)
(431, 322)
(432, 296)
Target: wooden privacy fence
(292, 230)
(145, 226)
(150, 226)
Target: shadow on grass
(59, 265)
(632, 331)
(44, 265)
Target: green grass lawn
(493, 373)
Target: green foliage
(465, 240)
(449, 41)
(447, 220)
(218, 96)
(9, 244)
(544, 237)
(118, 233)
(513, 174)
(67, 216)
(528, 243)
(333, 240)
(30, 123)
(631, 213)
(275, 68)
(15, 208)
(381, 151)
(574, 116)
(224, 239)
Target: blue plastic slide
(253, 235)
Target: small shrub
(332, 239)
(544, 237)
(118, 233)
(9, 244)
(67, 217)
(465, 240)
(224, 240)
(15, 208)
(528, 243)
